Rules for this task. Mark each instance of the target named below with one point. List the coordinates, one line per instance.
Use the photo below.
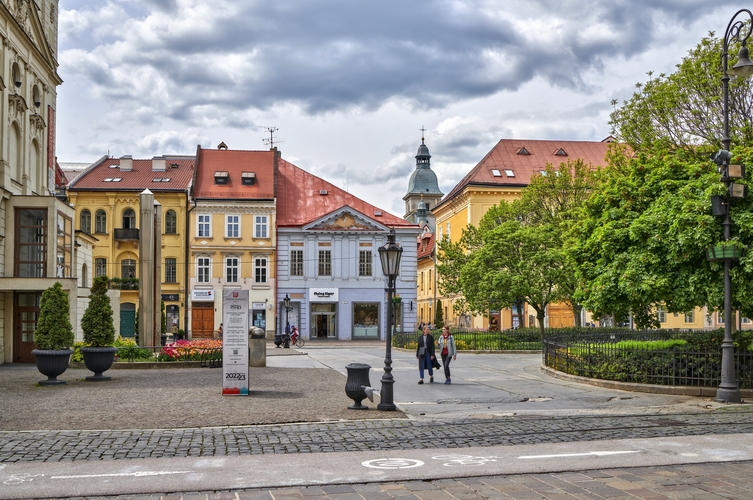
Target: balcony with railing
(127, 234)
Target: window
(661, 314)
(231, 269)
(204, 227)
(100, 222)
(84, 276)
(85, 221)
(64, 247)
(690, 317)
(171, 222)
(509, 173)
(202, 270)
(260, 270)
(260, 226)
(496, 172)
(448, 231)
(233, 226)
(128, 268)
(31, 243)
(171, 270)
(325, 262)
(720, 318)
(129, 219)
(364, 263)
(296, 262)
(746, 320)
(100, 267)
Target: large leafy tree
(643, 239)
(684, 109)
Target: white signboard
(235, 342)
(323, 295)
(203, 295)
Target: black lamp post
(389, 255)
(728, 390)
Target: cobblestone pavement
(359, 435)
(704, 481)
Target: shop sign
(170, 297)
(323, 295)
(203, 295)
(235, 342)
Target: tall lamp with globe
(389, 255)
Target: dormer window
(509, 173)
(248, 178)
(496, 173)
(523, 151)
(560, 152)
(221, 177)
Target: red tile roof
(425, 245)
(299, 201)
(106, 175)
(235, 163)
(509, 154)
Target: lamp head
(286, 301)
(743, 68)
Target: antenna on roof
(422, 129)
(271, 142)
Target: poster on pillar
(235, 342)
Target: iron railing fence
(612, 356)
(208, 356)
(478, 340)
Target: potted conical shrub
(54, 335)
(99, 331)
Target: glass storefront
(323, 320)
(365, 320)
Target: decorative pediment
(345, 219)
(17, 106)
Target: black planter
(98, 360)
(51, 364)
(358, 377)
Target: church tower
(423, 190)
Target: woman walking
(425, 354)
(447, 351)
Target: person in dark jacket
(425, 355)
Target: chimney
(126, 163)
(159, 164)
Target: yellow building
(232, 237)
(501, 175)
(107, 204)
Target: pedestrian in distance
(425, 355)
(448, 352)
(219, 332)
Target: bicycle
(299, 342)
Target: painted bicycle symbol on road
(392, 463)
(455, 460)
(21, 478)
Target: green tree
(438, 315)
(54, 331)
(643, 239)
(684, 109)
(96, 323)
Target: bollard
(358, 378)
(257, 347)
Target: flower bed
(189, 350)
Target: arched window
(84, 276)
(171, 222)
(129, 219)
(100, 222)
(14, 155)
(85, 221)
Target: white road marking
(590, 453)
(123, 474)
(392, 463)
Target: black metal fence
(648, 357)
(479, 340)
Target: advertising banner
(235, 342)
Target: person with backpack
(447, 351)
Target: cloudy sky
(350, 83)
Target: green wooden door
(128, 320)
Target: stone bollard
(358, 377)
(257, 347)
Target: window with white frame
(232, 265)
(689, 316)
(296, 262)
(204, 226)
(100, 267)
(171, 222)
(448, 231)
(260, 226)
(260, 269)
(233, 226)
(325, 262)
(202, 270)
(720, 318)
(171, 273)
(364, 263)
(661, 314)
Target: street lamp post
(286, 302)
(389, 255)
(728, 390)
